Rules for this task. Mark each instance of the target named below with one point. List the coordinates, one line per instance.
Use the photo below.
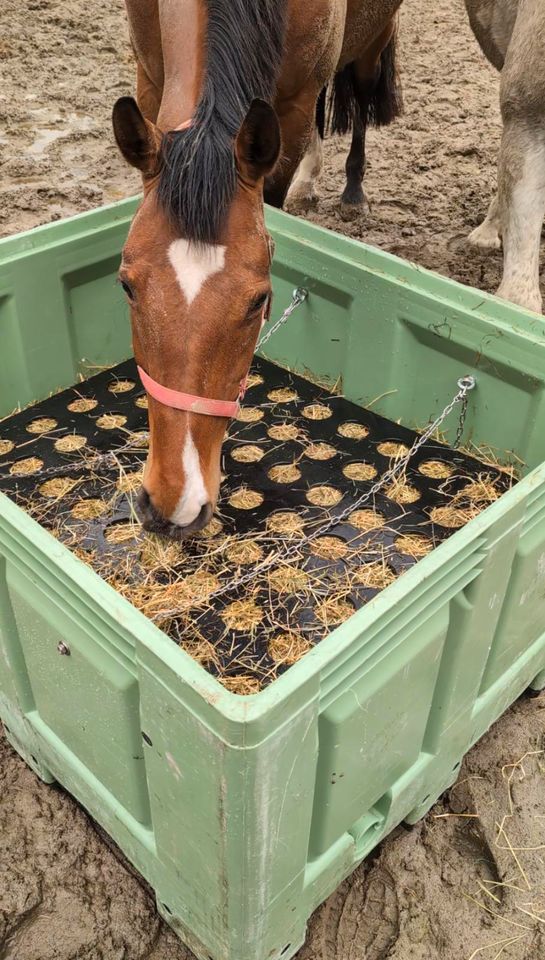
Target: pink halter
(191, 403)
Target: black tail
(378, 101)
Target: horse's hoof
(352, 211)
(485, 237)
(298, 205)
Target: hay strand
(354, 431)
(316, 411)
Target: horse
(511, 34)
(365, 93)
(226, 95)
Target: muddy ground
(449, 888)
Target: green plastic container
(244, 813)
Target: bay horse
(511, 34)
(226, 104)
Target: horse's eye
(258, 305)
(127, 289)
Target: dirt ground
(449, 888)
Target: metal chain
(298, 297)
(468, 383)
(465, 385)
(91, 462)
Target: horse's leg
(148, 95)
(522, 203)
(297, 118)
(377, 100)
(353, 199)
(302, 194)
(487, 234)
(522, 157)
(145, 34)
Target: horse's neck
(183, 40)
(169, 38)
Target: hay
(26, 466)
(129, 482)
(212, 529)
(287, 579)
(245, 499)
(6, 446)
(324, 496)
(71, 443)
(142, 402)
(334, 610)
(243, 684)
(111, 421)
(483, 491)
(359, 471)
(286, 523)
(122, 532)
(250, 414)
(249, 453)
(253, 380)
(139, 439)
(393, 450)
(284, 432)
(159, 554)
(243, 552)
(452, 517)
(288, 648)
(402, 492)
(366, 520)
(82, 405)
(329, 548)
(320, 451)
(316, 411)
(436, 469)
(57, 487)
(413, 545)
(377, 575)
(354, 431)
(89, 509)
(198, 586)
(283, 395)
(86, 556)
(284, 473)
(201, 650)
(121, 386)
(160, 602)
(41, 425)
(242, 615)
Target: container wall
(245, 813)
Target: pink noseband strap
(186, 401)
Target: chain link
(298, 297)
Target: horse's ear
(136, 137)
(257, 145)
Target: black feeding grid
(239, 651)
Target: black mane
(245, 40)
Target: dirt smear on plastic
(448, 888)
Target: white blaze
(193, 265)
(195, 494)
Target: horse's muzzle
(154, 522)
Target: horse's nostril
(205, 515)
